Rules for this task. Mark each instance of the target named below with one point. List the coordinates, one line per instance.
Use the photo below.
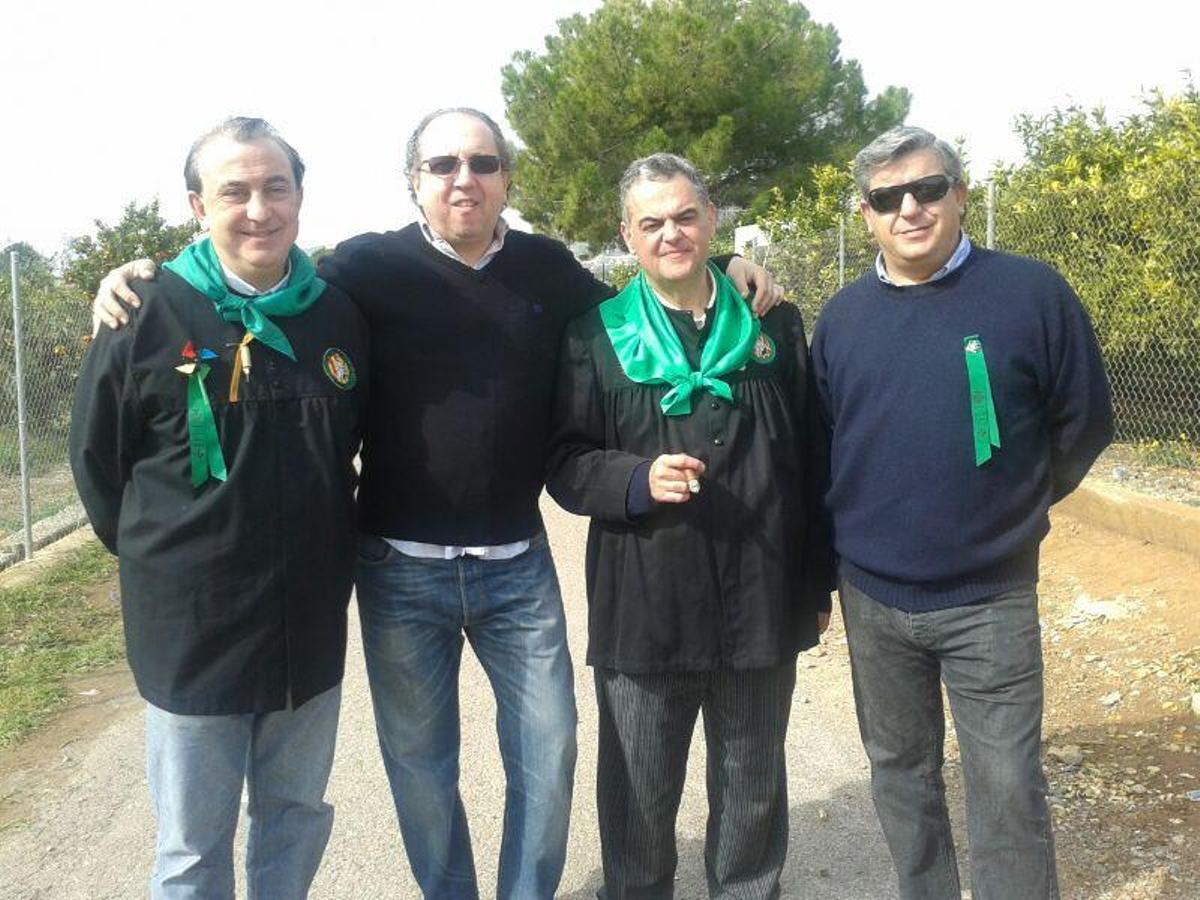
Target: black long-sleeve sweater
(462, 378)
(917, 524)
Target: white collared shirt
(957, 258)
(444, 246)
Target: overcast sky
(100, 101)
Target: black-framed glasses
(479, 164)
(929, 189)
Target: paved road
(87, 832)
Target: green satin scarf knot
(199, 266)
(650, 351)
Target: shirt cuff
(638, 501)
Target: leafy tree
(1113, 206)
(55, 326)
(142, 232)
(753, 91)
(804, 230)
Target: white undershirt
(698, 318)
(239, 285)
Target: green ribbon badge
(984, 427)
(203, 442)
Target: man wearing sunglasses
(465, 321)
(965, 394)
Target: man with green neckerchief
(212, 442)
(965, 393)
(685, 428)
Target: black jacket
(733, 578)
(234, 594)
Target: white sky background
(100, 101)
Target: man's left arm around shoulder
(1079, 413)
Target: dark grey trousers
(646, 725)
(989, 656)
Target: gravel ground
(1121, 639)
(1134, 470)
(78, 823)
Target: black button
(718, 441)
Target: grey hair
(412, 149)
(242, 129)
(659, 167)
(901, 141)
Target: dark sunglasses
(479, 164)
(929, 189)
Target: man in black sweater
(965, 394)
(465, 319)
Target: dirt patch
(32, 768)
(1121, 632)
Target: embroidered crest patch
(764, 349)
(339, 369)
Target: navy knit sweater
(917, 524)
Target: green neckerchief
(198, 266)
(650, 351)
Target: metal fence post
(22, 443)
(991, 215)
(841, 252)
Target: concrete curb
(45, 532)
(1162, 522)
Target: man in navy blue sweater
(965, 394)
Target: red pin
(189, 352)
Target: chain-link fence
(54, 329)
(1132, 253)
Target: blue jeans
(196, 766)
(414, 613)
(989, 656)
